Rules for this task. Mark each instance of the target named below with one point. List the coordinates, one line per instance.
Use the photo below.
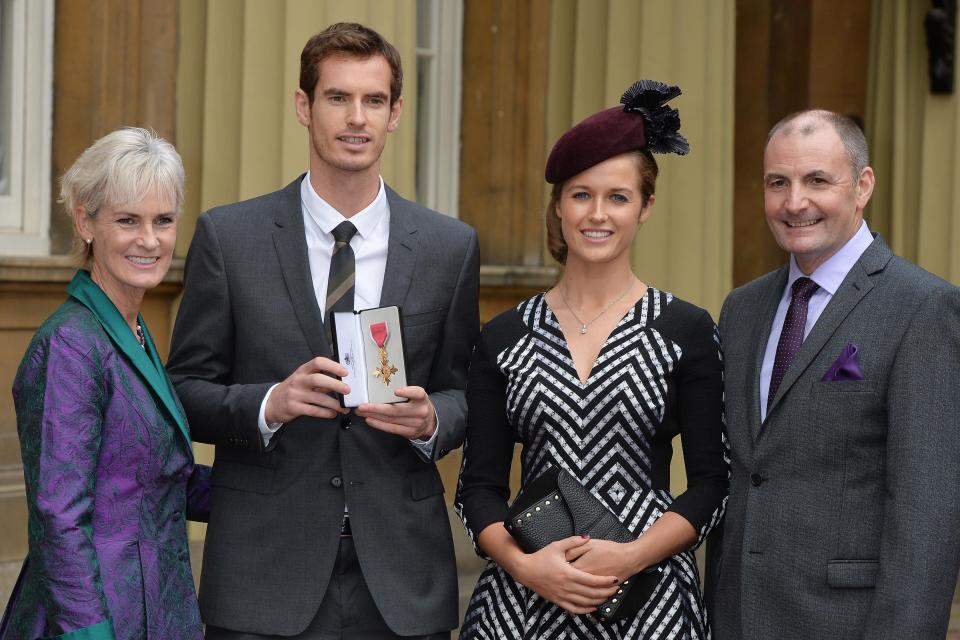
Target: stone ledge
(58, 269)
(540, 278)
(62, 268)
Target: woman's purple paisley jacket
(108, 468)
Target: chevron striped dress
(659, 374)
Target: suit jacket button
(336, 481)
(756, 479)
(345, 422)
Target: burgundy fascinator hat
(643, 122)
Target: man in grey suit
(327, 522)
(841, 373)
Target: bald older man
(842, 371)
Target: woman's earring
(89, 240)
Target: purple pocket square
(846, 367)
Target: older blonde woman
(107, 459)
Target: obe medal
(380, 335)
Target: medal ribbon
(378, 331)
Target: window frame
(25, 211)
(438, 148)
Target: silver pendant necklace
(585, 325)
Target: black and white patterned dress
(659, 374)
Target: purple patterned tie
(791, 336)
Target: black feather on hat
(649, 98)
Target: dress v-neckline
(628, 315)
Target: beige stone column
(598, 48)
(239, 68)
(914, 139)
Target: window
(26, 71)
(439, 46)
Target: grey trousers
(348, 611)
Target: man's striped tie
(340, 284)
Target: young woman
(596, 376)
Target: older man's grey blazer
(844, 512)
(248, 319)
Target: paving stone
(469, 566)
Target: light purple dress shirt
(828, 275)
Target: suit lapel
(766, 311)
(170, 399)
(401, 252)
(290, 241)
(854, 287)
(145, 361)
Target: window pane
(439, 54)
(6, 71)
(424, 124)
(424, 18)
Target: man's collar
(834, 269)
(327, 218)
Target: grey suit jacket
(249, 317)
(844, 506)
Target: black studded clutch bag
(556, 506)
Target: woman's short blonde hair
(119, 169)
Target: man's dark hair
(351, 40)
(850, 133)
